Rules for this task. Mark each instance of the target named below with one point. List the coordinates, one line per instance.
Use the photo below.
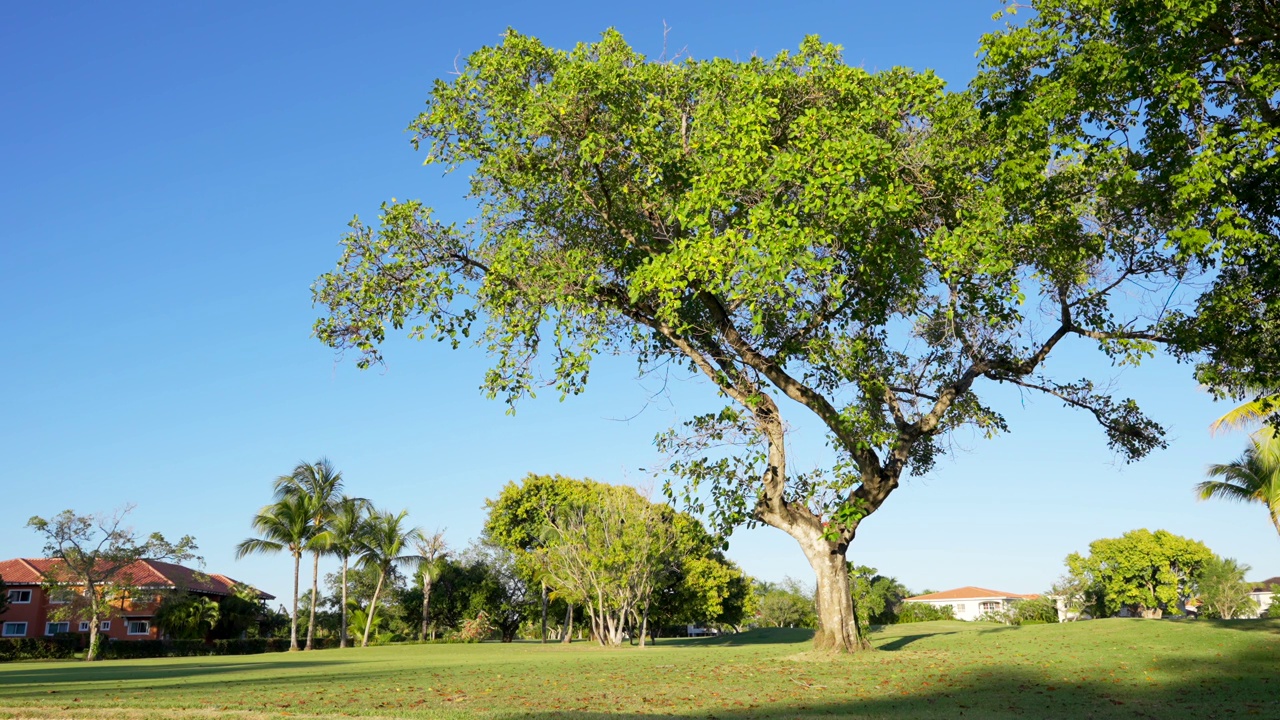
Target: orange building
(30, 605)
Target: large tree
(321, 484)
(95, 552)
(807, 236)
(384, 545)
(285, 525)
(1148, 573)
(1185, 96)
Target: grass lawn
(1098, 669)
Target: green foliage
(785, 604)
(1029, 611)
(474, 630)
(59, 647)
(1180, 97)
(183, 616)
(1222, 590)
(1147, 573)
(876, 598)
(1273, 610)
(913, 612)
(1253, 478)
(96, 551)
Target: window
(54, 628)
(989, 605)
(104, 626)
(84, 626)
(19, 597)
(959, 608)
(14, 629)
(139, 627)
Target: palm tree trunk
(568, 625)
(293, 621)
(373, 609)
(342, 637)
(315, 587)
(544, 611)
(426, 602)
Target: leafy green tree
(607, 554)
(384, 545)
(1253, 478)
(184, 616)
(1222, 590)
(1181, 97)
(283, 526)
(321, 484)
(239, 613)
(341, 537)
(1144, 572)
(501, 590)
(785, 604)
(96, 551)
(876, 598)
(800, 233)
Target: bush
(924, 612)
(59, 647)
(1274, 610)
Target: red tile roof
(142, 573)
(969, 592)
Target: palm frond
(1250, 414)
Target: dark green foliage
(784, 604)
(59, 647)
(911, 612)
(876, 598)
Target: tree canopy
(1183, 96)
(1148, 573)
(789, 228)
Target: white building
(1264, 595)
(969, 603)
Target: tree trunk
(426, 602)
(92, 653)
(544, 611)
(837, 624)
(644, 625)
(342, 635)
(315, 585)
(568, 625)
(293, 621)
(373, 609)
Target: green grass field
(1099, 669)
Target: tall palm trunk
(373, 609)
(342, 636)
(315, 588)
(426, 602)
(568, 625)
(293, 621)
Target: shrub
(1274, 610)
(59, 647)
(476, 629)
(924, 612)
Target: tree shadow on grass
(900, 642)
(110, 671)
(759, 636)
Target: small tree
(184, 616)
(432, 551)
(606, 554)
(1222, 590)
(785, 604)
(1144, 572)
(876, 598)
(95, 552)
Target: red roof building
(30, 604)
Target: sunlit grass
(1100, 669)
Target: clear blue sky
(175, 175)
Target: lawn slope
(1099, 669)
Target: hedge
(132, 649)
(59, 647)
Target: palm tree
(432, 550)
(383, 546)
(283, 525)
(1254, 477)
(1249, 414)
(323, 486)
(342, 538)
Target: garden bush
(924, 612)
(59, 647)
